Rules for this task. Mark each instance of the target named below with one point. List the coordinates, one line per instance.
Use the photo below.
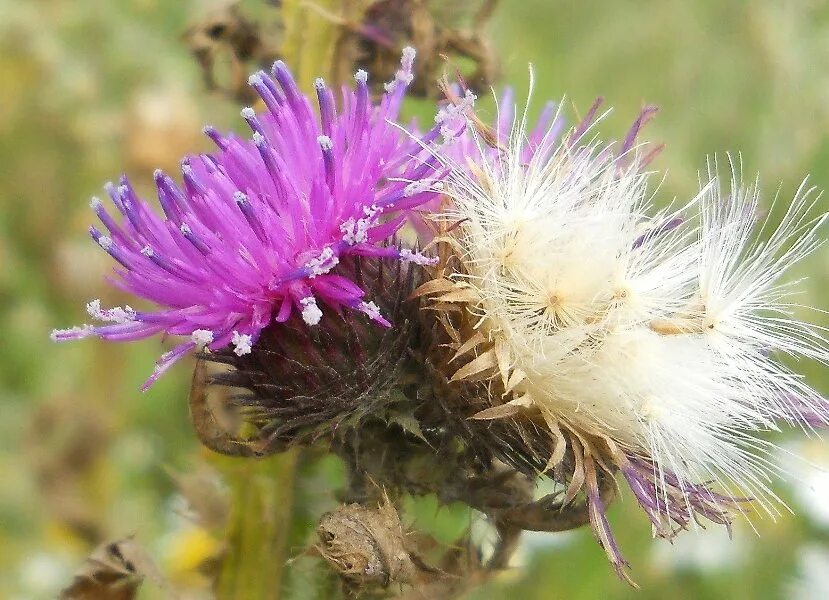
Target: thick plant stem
(263, 490)
(263, 510)
(262, 497)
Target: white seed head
(656, 337)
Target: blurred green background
(91, 89)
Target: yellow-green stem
(313, 29)
(262, 497)
(262, 491)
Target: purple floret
(257, 229)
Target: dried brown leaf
(212, 415)
(115, 571)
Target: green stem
(262, 491)
(313, 31)
(262, 500)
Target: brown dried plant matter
(369, 547)
(369, 35)
(114, 571)
(226, 35)
(439, 31)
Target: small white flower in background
(806, 464)
(711, 551)
(812, 579)
(648, 339)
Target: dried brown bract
(369, 547)
(114, 571)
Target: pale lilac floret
(255, 232)
(543, 137)
(668, 501)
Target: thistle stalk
(262, 490)
(262, 501)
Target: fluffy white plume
(658, 330)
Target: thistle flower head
(258, 228)
(647, 340)
(299, 384)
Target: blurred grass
(94, 88)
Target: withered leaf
(114, 571)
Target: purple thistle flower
(255, 233)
